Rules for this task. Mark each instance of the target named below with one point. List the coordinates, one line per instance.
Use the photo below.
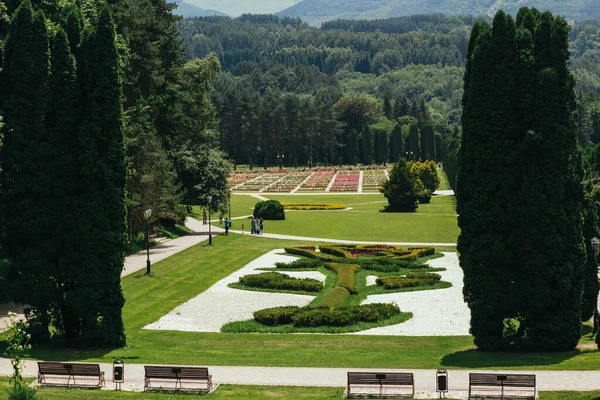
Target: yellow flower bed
(309, 207)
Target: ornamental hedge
(312, 207)
(275, 280)
(413, 279)
(301, 263)
(310, 252)
(345, 273)
(335, 298)
(269, 210)
(325, 316)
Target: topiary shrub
(335, 251)
(269, 210)
(277, 315)
(302, 263)
(309, 252)
(410, 280)
(275, 280)
(344, 316)
(424, 197)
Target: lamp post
(147, 214)
(596, 247)
(209, 198)
(280, 158)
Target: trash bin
(118, 372)
(441, 382)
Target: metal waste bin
(118, 372)
(441, 382)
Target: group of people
(256, 226)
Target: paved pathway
(336, 377)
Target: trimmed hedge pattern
(410, 280)
(302, 263)
(345, 273)
(309, 252)
(311, 207)
(324, 316)
(275, 280)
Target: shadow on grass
(474, 358)
(60, 352)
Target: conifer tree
(367, 141)
(102, 156)
(62, 122)
(24, 178)
(400, 188)
(395, 143)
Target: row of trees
(103, 118)
(63, 176)
(519, 193)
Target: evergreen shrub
(335, 251)
(275, 280)
(301, 263)
(269, 210)
(344, 316)
(277, 315)
(308, 252)
(410, 280)
(424, 197)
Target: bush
(275, 280)
(344, 316)
(336, 297)
(410, 280)
(424, 196)
(308, 252)
(22, 392)
(277, 315)
(269, 210)
(335, 251)
(303, 263)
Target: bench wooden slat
(506, 385)
(177, 374)
(381, 380)
(70, 371)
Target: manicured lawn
(222, 392)
(241, 204)
(434, 222)
(190, 272)
(444, 185)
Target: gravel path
(440, 312)
(220, 304)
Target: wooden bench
(70, 371)
(178, 375)
(381, 384)
(501, 386)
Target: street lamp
(147, 215)
(209, 198)
(280, 158)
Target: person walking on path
(261, 226)
(227, 225)
(253, 225)
(243, 228)
(220, 217)
(203, 216)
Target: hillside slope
(187, 10)
(317, 11)
(237, 7)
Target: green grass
(444, 184)
(186, 274)
(241, 392)
(223, 392)
(435, 222)
(241, 205)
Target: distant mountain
(237, 7)
(317, 11)
(187, 10)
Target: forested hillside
(237, 7)
(318, 11)
(188, 10)
(295, 94)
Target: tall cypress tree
(519, 192)
(367, 142)
(62, 124)
(395, 146)
(98, 282)
(24, 155)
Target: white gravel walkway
(220, 304)
(440, 312)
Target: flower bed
(346, 182)
(310, 207)
(318, 181)
(372, 180)
(237, 179)
(260, 183)
(288, 182)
